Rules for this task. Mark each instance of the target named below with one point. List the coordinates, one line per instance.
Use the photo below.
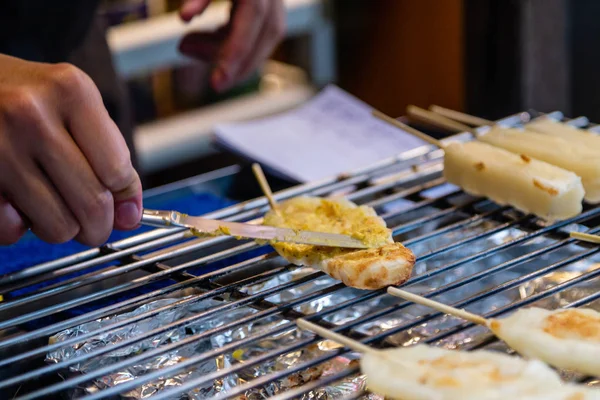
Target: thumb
(190, 8)
(128, 203)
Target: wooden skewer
(326, 333)
(264, 185)
(415, 298)
(586, 237)
(438, 120)
(406, 128)
(461, 117)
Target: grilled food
(424, 373)
(568, 132)
(567, 339)
(581, 159)
(507, 178)
(385, 263)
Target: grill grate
(471, 253)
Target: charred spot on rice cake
(573, 324)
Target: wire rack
(168, 316)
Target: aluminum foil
(224, 361)
(403, 326)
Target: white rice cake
(568, 339)
(426, 373)
(385, 263)
(578, 158)
(507, 178)
(568, 132)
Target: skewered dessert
(578, 158)
(567, 339)
(384, 263)
(422, 373)
(425, 372)
(507, 178)
(564, 131)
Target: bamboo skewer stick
(264, 185)
(586, 237)
(408, 129)
(461, 117)
(328, 334)
(350, 343)
(438, 120)
(476, 319)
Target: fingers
(44, 208)
(90, 202)
(12, 226)
(237, 49)
(128, 206)
(203, 46)
(247, 19)
(268, 39)
(190, 8)
(101, 143)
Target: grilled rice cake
(423, 372)
(566, 338)
(385, 263)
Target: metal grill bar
(295, 393)
(298, 392)
(60, 288)
(402, 194)
(80, 257)
(193, 299)
(407, 226)
(529, 300)
(464, 223)
(102, 294)
(115, 272)
(243, 210)
(161, 242)
(127, 304)
(317, 188)
(441, 290)
(194, 338)
(111, 255)
(421, 320)
(278, 375)
(156, 352)
(368, 187)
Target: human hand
(65, 165)
(255, 27)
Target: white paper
(331, 134)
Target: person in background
(67, 163)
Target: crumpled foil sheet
(404, 325)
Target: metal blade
(215, 227)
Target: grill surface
(470, 252)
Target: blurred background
(490, 58)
